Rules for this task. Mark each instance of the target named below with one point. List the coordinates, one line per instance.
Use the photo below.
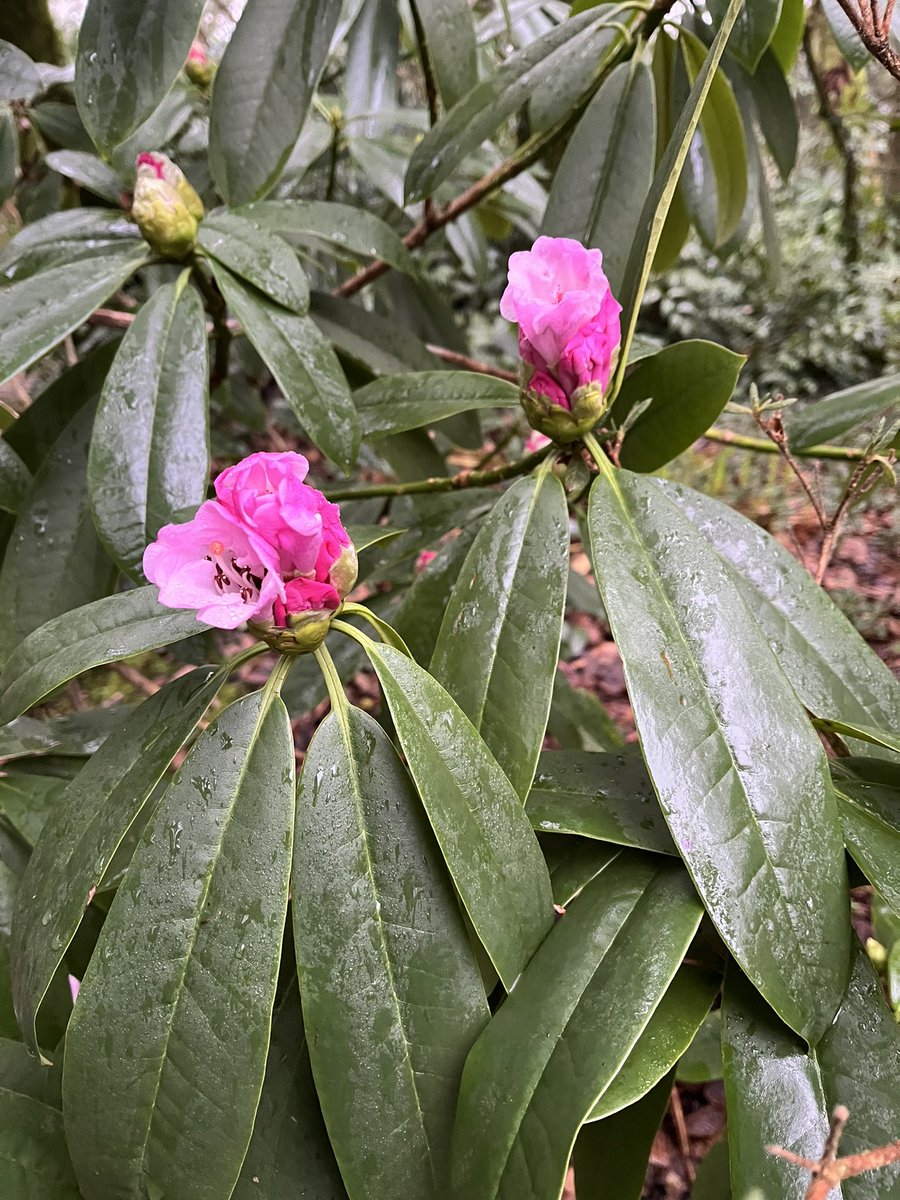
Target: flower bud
(199, 68)
(302, 633)
(344, 570)
(165, 206)
(561, 421)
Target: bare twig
(830, 1170)
(773, 428)
(874, 31)
(443, 483)
(470, 364)
(684, 1142)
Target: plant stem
(444, 483)
(761, 445)
(336, 694)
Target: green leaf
(830, 667)
(669, 1032)
(61, 125)
(19, 76)
(338, 228)
(481, 111)
(34, 1161)
(450, 45)
(788, 35)
(573, 863)
(868, 792)
(713, 1180)
(702, 1060)
(723, 136)
(498, 647)
(9, 154)
(88, 171)
(688, 385)
(421, 612)
(740, 773)
(129, 53)
(578, 721)
(260, 97)
(779, 1093)
(383, 346)
(848, 40)
(258, 256)
(837, 414)
(15, 479)
(55, 561)
(610, 1156)
(363, 536)
(78, 734)
(558, 1040)
(21, 1072)
(866, 733)
(389, 984)
(753, 31)
(90, 636)
(37, 313)
(174, 1012)
(776, 111)
(149, 454)
(665, 181)
(63, 237)
(27, 801)
(605, 796)
(677, 223)
(479, 822)
(395, 403)
(88, 824)
(289, 1156)
(607, 169)
(9, 885)
(303, 364)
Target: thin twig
(684, 1142)
(741, 442)
(774, 429)
(470, 364)
(444, 483)
(875, 33)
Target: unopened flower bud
(165, 206)
(564, 419)
(302, 633)
(344, 570)
(199, 68)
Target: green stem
(274, 683)
(386, 632)
(351, 631)
(444, 483)
(763, 446)
(596, 452)
(336, 694)
(245, 655)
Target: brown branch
(774, 429)
(470, 364)
(830, 1171)
(874, 32)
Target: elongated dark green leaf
(55, 561)
(788, 35)
(21, 1072)
(866, 733)
(479, 113)
(392, 997)
(9, 154)
(341, 228)
(395, 403)
(64, 236)
(662, 192)
(77, 734)
(289, 1156)
(776, 112)
(303, 364)
(575, 864)
(9, 884)
(498, 647)
(688, 385)
(150, 448)
(552, 1049)
(421, 612)
(258, 256)
(129, 53)
(578, 721)
(713, 1180)
(605, 796)
(753, 30)
(88, 637)
(740, 774)
(479, 821)
(34, 1161)
(260, 98)
(450, 44)
(702, 1061)
(27, 800)
(780, 1093)
(831, 668)
(610, 1157)
(38, 312)
(15, 478)
(868, 791)
(380, 345)
(61, 125)
(839, 413)
(606, 171)
(88, 171)
(677, 223)
(88, 824)
(669, 1032)
(723, 136)
(19, 76)
(166, 1050)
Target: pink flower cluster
(267, 547)
(568, 318)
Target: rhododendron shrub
(318, 878)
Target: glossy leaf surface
(498, 647)
(88, 823)
(610, 1156)
(607, 169)
(258, 256)
(64, 236)
(868, 792)
(260, 99)
(753, 30)
(392, 997)
(150, 448)
(303, 364)
(688, 384)
(395, 403)
(757, 828)
(478, 819)
(15, 478)
(450, 44)
(129, 53)
(166, 1050)
(97, 633)
(607, 796)
(837, 414)
(38, 312)
(34, 1162)
(553, 1047)
(19, 77)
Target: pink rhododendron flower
(536, 441)
(268, 547)
(424, 559)
(568, 318)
